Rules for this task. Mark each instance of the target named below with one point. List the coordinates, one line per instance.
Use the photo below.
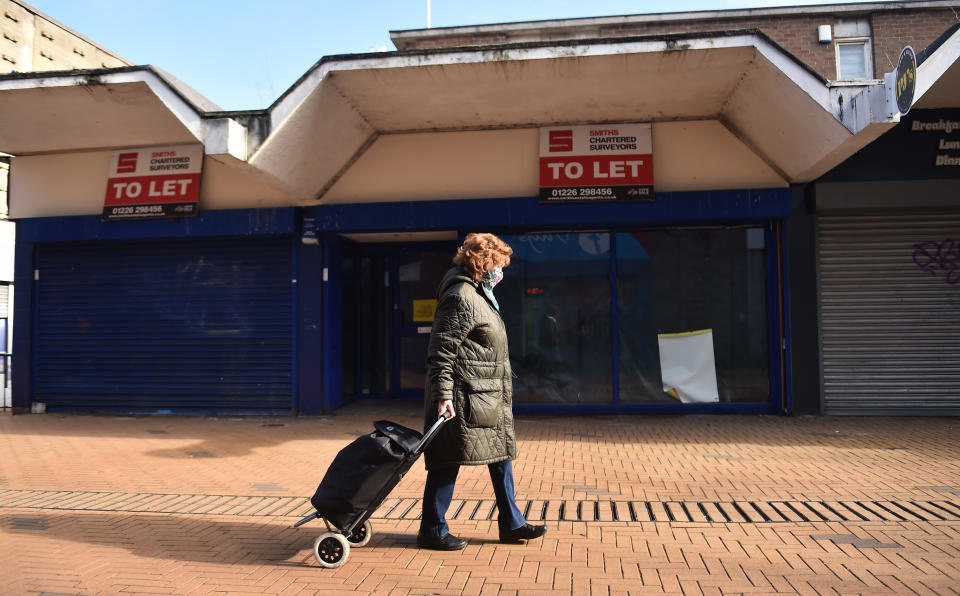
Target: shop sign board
(309, 234)
(596, 162)
(947, 146)
(153, 182)
(906, 79)
(924, 146)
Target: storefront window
(673, 283)
(556, 302)
(692, 302)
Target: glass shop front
(610, 320)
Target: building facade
(878, 331)
(32, 42)
(888, 259)
(842, 43)
(665, 181)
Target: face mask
(493, 277)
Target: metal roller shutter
(890, 313)
(179, 326)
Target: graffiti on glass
(539, 243)
(935, 256)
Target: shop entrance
(388, 305)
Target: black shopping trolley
(357, 482)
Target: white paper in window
(687, 366)
(852, 61)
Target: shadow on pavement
(232, 437)
(209, 436)
(183, 538)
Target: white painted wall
(232, 184)
(450, 165)
(54, 185)
(696, 155)
(705, 155)
(693, 155)
(75, 183)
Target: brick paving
(636, 505)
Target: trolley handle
(430, 434)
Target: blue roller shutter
(173, 325)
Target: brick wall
(797, 35)
(893, 31)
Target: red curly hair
(482, 252)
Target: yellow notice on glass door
(424, 310)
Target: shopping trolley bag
(362, 470)
(358, 480)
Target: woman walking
(468, 376)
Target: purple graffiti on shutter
(931, 256)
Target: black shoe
(524, 532)
(447, 542)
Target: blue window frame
(589, 313)
(683, 212)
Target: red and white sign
(601, 162)
(153, 182)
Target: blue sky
(242, 54)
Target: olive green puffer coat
(468, 362)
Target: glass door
(389, 298)
(418, 271)
(366, 322)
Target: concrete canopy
(770, 101)
(90, 110)
(65, 119)
(738, 88)
(938, 76)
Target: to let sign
(153, 182)
(602, 162)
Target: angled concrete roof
(44, 112)
(139, 106)
(783, 111)
(767, 98)
(938, 74)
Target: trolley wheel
(362, 535)
(331, 549)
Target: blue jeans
(438, 493)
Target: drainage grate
(941, 489)
(267, 486)
(28, 523)
(855, 541)
(623, 511)
(590, 490)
